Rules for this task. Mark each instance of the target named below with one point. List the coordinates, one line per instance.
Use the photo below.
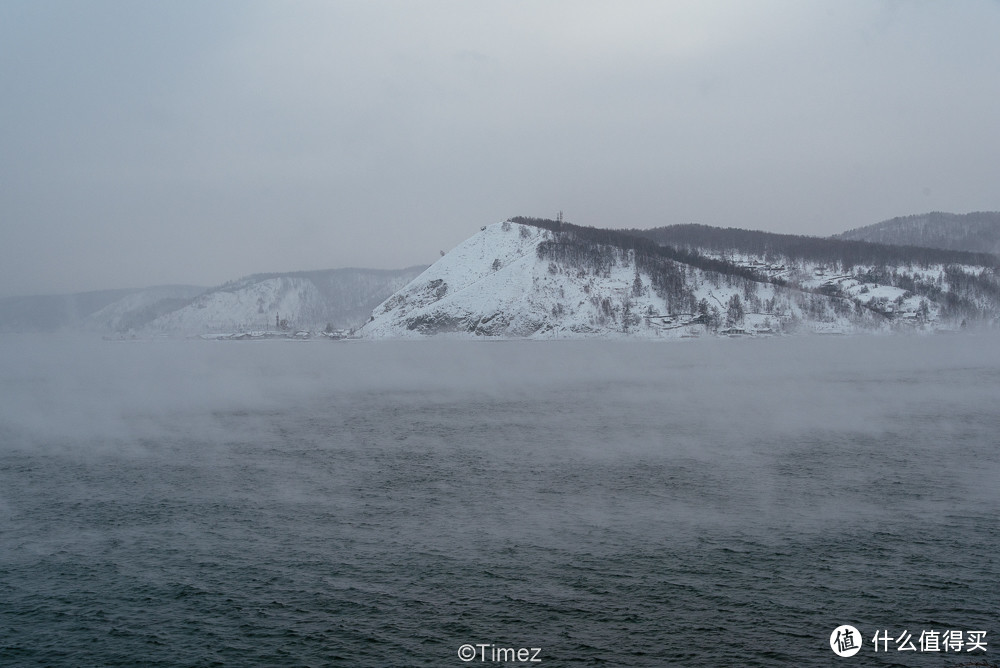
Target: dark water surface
(704, 503)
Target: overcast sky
(144, 143)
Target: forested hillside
(977, 232)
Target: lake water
(694, 503)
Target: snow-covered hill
(140, 307)
(333, 299)
(104, 310)
(909, 285)
(518, 280)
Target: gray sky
(151, 142)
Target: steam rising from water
(744, 409)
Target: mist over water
(380, 504)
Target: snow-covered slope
(338, 299)
(514, 280)
(493, 284)
(254, 305)
(911, 286)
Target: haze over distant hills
(314, 300)
(49, 313)
(977, 232)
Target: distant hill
(976, 232)
(140, 307)
(310, 300)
